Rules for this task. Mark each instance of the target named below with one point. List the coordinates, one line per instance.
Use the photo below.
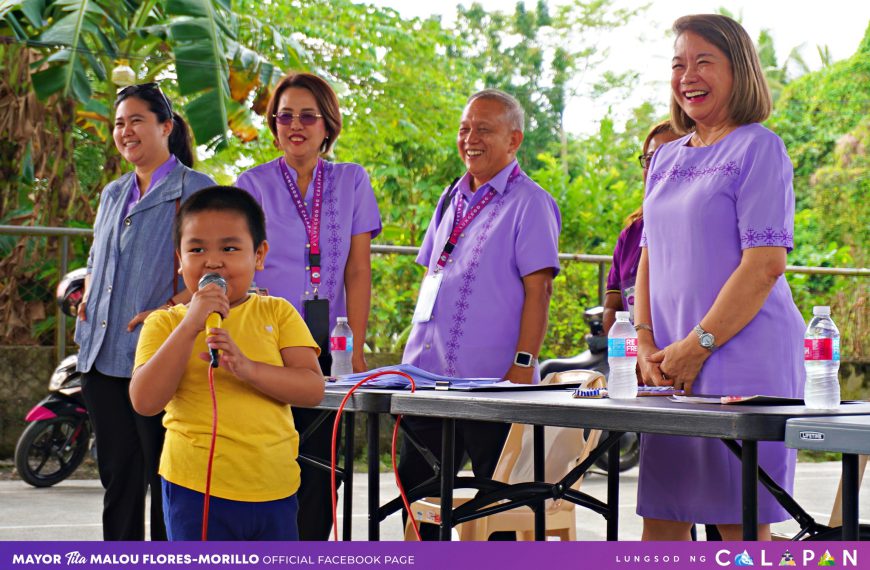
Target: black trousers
(482, 441)
(128, 455)
(315, 502)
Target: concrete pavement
(71, 510)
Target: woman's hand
(680, 363)
(80, 310)
(231, 356)
(358, 361)
(649, 371)
(138, 319)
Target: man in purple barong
(491, 254)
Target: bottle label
(339, 343)
(622, 347)
(821, 349)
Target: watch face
(706, 340)
(523, 359)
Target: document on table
(757, 400)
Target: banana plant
(202, 44)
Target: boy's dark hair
(224, 199)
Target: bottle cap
(622, 315)
(821, 311)
(341, 319)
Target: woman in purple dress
(716, 315)
(320, 220)
(626, 254)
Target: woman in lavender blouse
(719, 315)
(296, 191)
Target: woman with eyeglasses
(131, 272)
(321, 217)
(626, 254)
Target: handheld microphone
(214, 320)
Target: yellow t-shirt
(257, 443)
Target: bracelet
(643, 326)
(171, 302)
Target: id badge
(317, 319)
(426, 300)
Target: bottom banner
(431, 555)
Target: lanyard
(312, 222)
(462, 220)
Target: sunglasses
(306, 118)
(132, 90)
(645, 160)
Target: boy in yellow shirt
(268, 361)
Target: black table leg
(448, 437)
(749, 464)
(613, 492)
(374, 475)
(538, 447)
(348, 477)
(850, 496)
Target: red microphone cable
(393, 451)
(214, 415)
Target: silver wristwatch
(705, 339)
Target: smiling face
(140, 138)
(701, 80)
(301, 144)
(219, 241)
(486, 141)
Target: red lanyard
(460, 221)
(312, 222)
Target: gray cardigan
(131, 265)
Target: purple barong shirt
(349, 209)
(476, 317)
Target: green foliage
(402, 85)
(822, 118)
(535, 54)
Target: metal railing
(602, 261)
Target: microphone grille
(213, 278)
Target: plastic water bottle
(622, 358)
(822, 361)
(341, 348)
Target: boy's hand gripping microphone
(214, 320)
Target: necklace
(719, 136)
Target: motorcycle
(59, 436)
(595, 358)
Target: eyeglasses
(306, 118)
(645, 160)
(132, 90)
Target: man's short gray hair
(512, 109)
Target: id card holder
(426, 300)
(317, 319)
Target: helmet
(70, 291)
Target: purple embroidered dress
(703, 207)
(476, 318)
(349, 208)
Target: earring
(179, 271)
